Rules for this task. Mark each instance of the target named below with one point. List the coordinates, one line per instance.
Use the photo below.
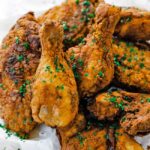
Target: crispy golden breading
(103, 107)
(126, 142)
(134, 24)
(55, 97)
(75, 18)
(19, 58)
(77, 125)
(92, 62)
(132, 65)
(93, 139)
(136, 108)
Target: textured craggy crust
(19, 58)
(92, 63)
(136, 108)
(74, 20)
(55, 97)
(134, 24)
(132, 65)
(92, 139)
(126, 142)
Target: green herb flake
(123, 119)
(101, 74)
(86, 74)
(65, 26)
(60, 87)
(17, 40)
(141, 65)
(20, 58)
(148, 100)
(80, 138)
(86, 3)
(26, 45)
(91, 15)
(77, 2)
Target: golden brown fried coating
(126, 142)
(93, 139)
(55, 97)
(137, 114)
(136, 108)
(77, 125)
(19, 58)
(132, 66)
(134, 24)
(92, 62)
(75, 18)
(103, 107)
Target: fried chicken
(55, 97)
(74, 16)
(77, 125)
(86, 140)
(135, 106)
(132, 65)
(92, 62)
(134, 24)
(126, 142)
(19, 58)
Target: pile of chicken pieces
(83, 68)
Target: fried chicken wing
(126, 142)
(92, 62)
(93, 139)
(132, 66)
(134, 24)
(75, 17)
(135, 106)
(55, 96)
(19, 58)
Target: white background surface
(44, 138)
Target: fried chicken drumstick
(19, 59)
(55, 97)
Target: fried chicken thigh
(75, 18)
(132, 66)
(55, 96)
(92, 62)
(93, 139)
(134, 24)
(135, 106)
(19, 59)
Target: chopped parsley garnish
(117, 105)
(17, 40)
(106, 136)
(141, 65)
(20, 58)
(74, 27)
(65, 26)
(76, 74)
(91, 15)
(80, 62)
(123, 119)
(77, 2)
(60, 87)
(148, 100)
(22, 89)
(48, 69)
(2, 86)
(72, 57)
(116, 60)
(86, 74)
(26, 45)
(101, 74)
(81, 138)
(86, 3)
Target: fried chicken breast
(19, 58)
